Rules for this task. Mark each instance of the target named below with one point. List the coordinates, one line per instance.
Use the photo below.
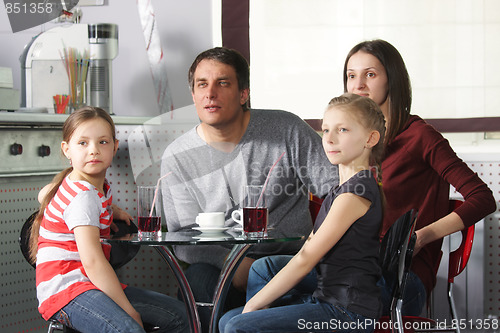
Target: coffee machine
(43, 74)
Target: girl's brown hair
(368, 114)
(74, 120)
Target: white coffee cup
(237, 216)
(210, 220)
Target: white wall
(451, 49)
(185, 29)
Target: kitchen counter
(21, 118)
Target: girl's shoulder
(74, 187)
(362, 184)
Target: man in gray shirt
(232, 147)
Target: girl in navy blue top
(344, 245)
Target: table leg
(187, 294)
(230, 265)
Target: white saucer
(211, 237)
(211, 230)
(240, 228)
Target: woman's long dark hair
(70, 125)
(399, 86)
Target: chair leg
(397, 318)
(55, 326)
(453, 309)
(430, 306)
(51, 328)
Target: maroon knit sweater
(418, 168)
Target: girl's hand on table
(120, 214)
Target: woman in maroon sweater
(418, 167)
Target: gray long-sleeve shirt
(207, 179)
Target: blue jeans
(263, 270)
(93, 311)
(306, 314)
(296, 311)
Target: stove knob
(43, 151)
(16, 149)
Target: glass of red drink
(148, 212)
(255, 212)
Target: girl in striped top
(74, 280)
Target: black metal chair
(120, 255)
(396, 253)
(457, 261)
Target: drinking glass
(255, 212)
(148, 212)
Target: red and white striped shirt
(60, 275)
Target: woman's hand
(443, 227)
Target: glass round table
(240, 246)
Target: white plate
(211, 230)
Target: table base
(232, 262)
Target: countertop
(21, 118)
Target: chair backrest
(24, 237)
(121, 253)
(396, 250)
(458, 258)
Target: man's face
(216, 94)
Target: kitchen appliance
(9, 97)
(43, 74)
